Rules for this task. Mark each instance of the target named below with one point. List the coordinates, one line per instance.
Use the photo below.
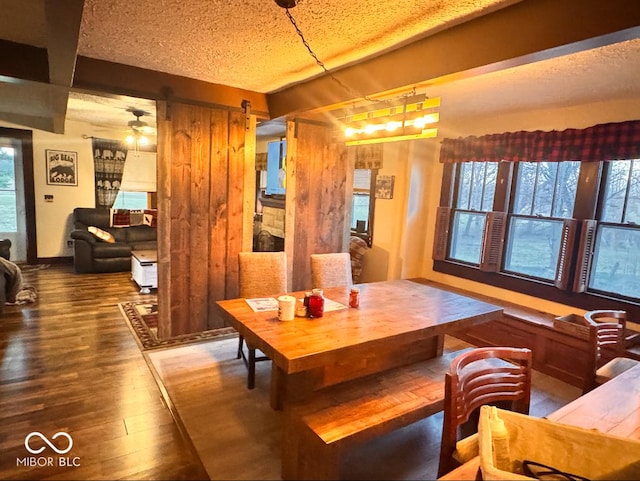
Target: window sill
(586, 301)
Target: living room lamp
(404, 119)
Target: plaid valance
(612, 141)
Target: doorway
(17, 212)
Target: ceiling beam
(42, 79)
(102, 76)
(63, 33)
(519, 34)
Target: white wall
(53, 219)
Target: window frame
(575, 256)
(367, 236)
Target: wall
(417, 193)
(53, 219)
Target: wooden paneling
(206, 179)
(201, 198)
(318, 198)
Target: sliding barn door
(316, 199)
(204, 212)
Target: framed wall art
(62, 167)
(384, 186)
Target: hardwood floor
(70, 363)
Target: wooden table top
(613, 407)
(398, 309)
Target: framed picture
(384, 186)
(62, 167)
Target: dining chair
(607, 341)
(331, 270)
(499, 376)
(261, 274)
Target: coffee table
(144, 269)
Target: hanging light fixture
(137, 138)
(408, 118)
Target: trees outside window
(8, 206)
(548, 229)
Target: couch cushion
(83, 217)
(105, 250)
(141, 233)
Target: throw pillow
(101, 234)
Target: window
(131, 200)
(545, 194)
(616, 254)
(8, 206)
(363, 204)
(519, 225)
(476, 187)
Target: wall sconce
(404, 119)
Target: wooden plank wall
(316, 197)
(202, 212)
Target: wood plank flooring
(70, 363)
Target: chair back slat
(486, 375)
(606, 333)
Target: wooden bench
(318, 432)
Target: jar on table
(316, 303)
(354, 297)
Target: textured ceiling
(253, 45)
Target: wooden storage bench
(318, 431)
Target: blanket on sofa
(13, 276)
(130, 217)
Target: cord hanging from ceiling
(293, 3)
(390, 120)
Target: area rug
(142, 318)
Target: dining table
(397, 322)
(612, 408)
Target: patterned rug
(142, 318)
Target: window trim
(568, 287)
(367, 236)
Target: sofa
(107, 249)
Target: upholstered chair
(261, 274)
(331, 270)
(5, 248)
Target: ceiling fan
(138, 129)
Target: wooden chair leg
(251, 379)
